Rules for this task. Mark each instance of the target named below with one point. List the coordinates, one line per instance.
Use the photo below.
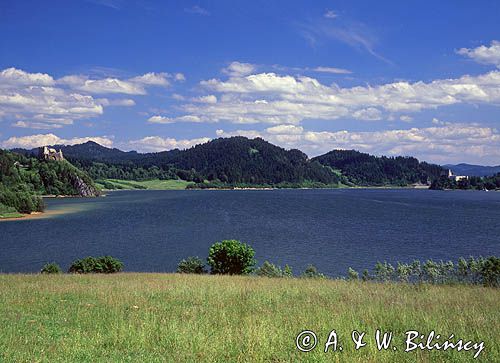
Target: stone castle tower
(47, 153)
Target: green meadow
(141, 317)
(155, 184)
(8, 212)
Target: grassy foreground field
(186, 318)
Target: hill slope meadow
(132, 317)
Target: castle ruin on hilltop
(47, 153)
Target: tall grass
(205, 318)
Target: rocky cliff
(84, 189)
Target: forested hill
(23, 179)
(364, 169)
(239, 161)
(254, 161)
(225, 161)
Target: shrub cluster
(227, 257)
(191, 265)
(231, 257)
(21, 199)
(311, 272)
(485, 271)
(104, 264)
(51, 268)
(270, 270)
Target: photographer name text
(307, 341)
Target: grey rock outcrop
(84, 189)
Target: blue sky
(395, 78)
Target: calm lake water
(333, 229)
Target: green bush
(287, 271)
(110, 264)
(51, 268)
(403, 272)
(476, 271)
(366, 275)
(5, 209)
(191, 265)
(231, 257)
(352, 274)
(431, 271)
(490, 271)
(311, 272)
(269, 270)
(108, 185)
(384, 271)
(104, 264)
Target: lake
(332, 229)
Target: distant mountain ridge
(242, 161)
(473, 170)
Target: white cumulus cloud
(276, 99)
(237, 69)
(206, 99)
(160, 120)
(38, 101)
(484, 54)
(152, 79)
(13, 76)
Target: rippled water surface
(333, 229)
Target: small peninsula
(25, 179)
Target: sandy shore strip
(42, 215)
(33, 215)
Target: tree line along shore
(233, 257)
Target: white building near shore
(456, 178)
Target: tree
(287, 271)
(269, 270)
(51, 268)
(231, 257)
(384, 271)
(311, 272)
(366, 275)
(490, 271)
(191, 265)
(104, 264)
(352, 274)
